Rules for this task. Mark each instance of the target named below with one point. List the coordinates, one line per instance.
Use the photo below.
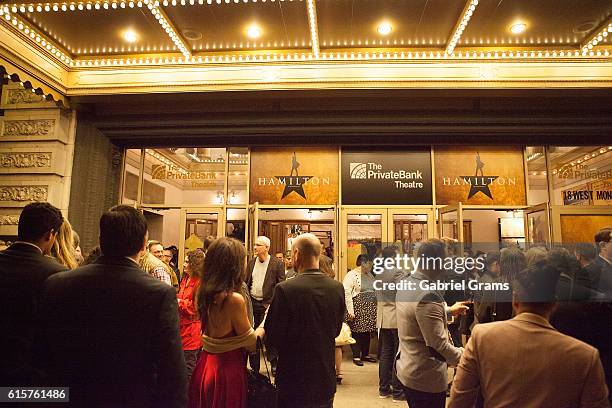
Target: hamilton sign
(310, 178)
(386, 177)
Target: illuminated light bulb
(130, 36)
(384, 28)
(518, 28)
(253, 31)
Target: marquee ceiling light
(314, 30)
(518, 28)
(468, 10)
(167, 25)
(130, 36)
(598, 36)
(106, 4)
(253, 31)
(384, 28)
(43, 41)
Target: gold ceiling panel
(414, 23)
(100, 32)
(223, 27)
(548, 23)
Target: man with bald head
(303, 320)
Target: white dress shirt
(259, 275)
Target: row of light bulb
(597, 38)
(34, 35)
(586, 158)
(40, 7)
(342, 56)
(176, 39)
(469, 10)
(314, 32)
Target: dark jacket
(274, 274)
(110, 332)
(600, 275)
(23, 270)
(303, 321)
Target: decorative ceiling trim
(314, 30)
(346, 75)
(598, 35)
(556, 55)
(462, 22)
(165, 22)
(47, 6)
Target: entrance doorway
(283, 224)
(369, 230)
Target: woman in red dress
(220, 377)
(189, 319)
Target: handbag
(261, 392)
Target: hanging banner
(294, 176)
(486, 175)
(386, 177)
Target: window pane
(130, 177)
(536, 171)
(184, 176)
(238, 175)
(582, 175)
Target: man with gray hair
(263, 273)
(303, 321)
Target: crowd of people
(122, 327)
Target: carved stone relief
(23, 96)
(23, 160)
(28, 127)
(24, 193)
(9, 219)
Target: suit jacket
(525, 362)
(600, 275)
(110, 332)
(424, 344)
(303, 321)
(23, 270)
(385, 310)
(274, 275)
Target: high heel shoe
(338, 379)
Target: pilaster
(36, 154)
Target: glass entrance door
(537, 224)
(369, 230)
(196, 225)
(450, 223)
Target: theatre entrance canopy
(107, 47)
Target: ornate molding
(28, 127)
(24, 160)
(9, 219)
(24, 193)
(16, 96)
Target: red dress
(219, 381)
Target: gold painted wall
(282, 175)
(496, 174)
(582, 228)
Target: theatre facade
(364, 130)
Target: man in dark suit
(600, 270)
(303, 321)
(263, 273)
(109, 331)
(23, 269)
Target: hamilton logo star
(294, 182)
(479, 183)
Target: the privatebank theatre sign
(386, 177)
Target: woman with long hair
(189, 320)
(63, 247)
(219, 379)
